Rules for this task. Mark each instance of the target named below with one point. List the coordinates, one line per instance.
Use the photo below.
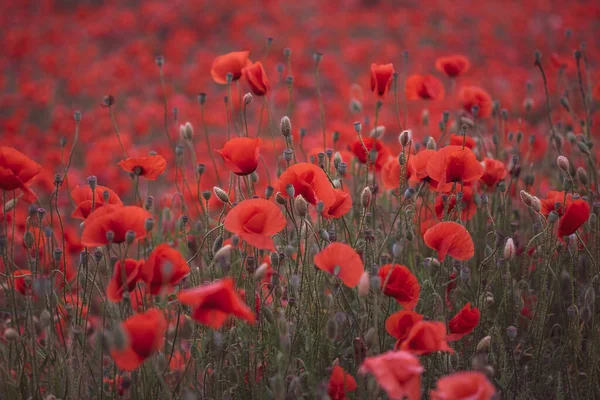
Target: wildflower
(307, 180)
(16, 171)
(463, 322)
(494, 171)
(255, 221)
(391, 171)
(418, 165)
(398, 282)
(150, 167)
(241, 155)
(399, 324)
(424, 87)
(342, 261)
(509, 249)
(124, 278)
(257, 78)
(232, 63)
(82, 196)
(465, 385)
(213, 303)
(397, 372)
(340, 383)
(114, 221)
(450, 238)
(452, 164)
(381, 78)
(358, 148)
(453, 65)
(144, 335)
(475, 96)
(165, 267)
(573, 213)
(341, 205)
(426, 337)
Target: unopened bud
(484, 344)
(563, 163)
(431, 145)
(405, 137)
(582, 176)
(363, 285)
(301, 206)
(285, 126)
(247, 98)
(186, 131)
(509, 249)
(221, 194)
(11, 335)
(365, 197)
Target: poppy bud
(337, 159)
(288, 154)
(511, 331)
(269, 191)
(553, 216)
(301, 206)
(228, 77)
(285, 126)
(129, 237)
(563, 163)
(221, 194)
(363, 285)
(357, 127)
(77, 116)
(28, 239)
(431, 145)
(280, 199)
(377, 132)
(159, 60)
(268, 314)
(582, 176)
(186, 131)
(405, 137)
(371, 337)
(11, 335)
(247, 98)
(110, 236)
(583, 148)
(149, 224)
(509, 249)
(320, 207)
(484, 344)
(355, 106)
(222, 253)
(365, 197)
(341, 168)
(590, 296)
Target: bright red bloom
(116, 219)
(310, 181)
(381, 78)
(82, 196)
(424, 87)
(464, 385)
(450, 238)
(383, 153)
(398, 282)
(418, 164)
(241, 155)
(341, 206)
(342, 261)
(391, 171)
(255, 221)
(16, 170)
(124, 278)
(213, 303)
(400, 323)
(453, 65)
(164, 268)
(577, 214)
(426, 337)
(464, 322)
(474, 95)
(397, 372)
(257, 78)
(150, 167)
(454, 164)
(493, 172)
(144, 335)
(340, 383)
(459, 140)
(233, 62)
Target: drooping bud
(405, 137)
(186, 131)
(509, 249)
(301, 206)
(431, 145)
(563, 163)
(221, 194)
(582, 176)
(247, 98)
(365, 197)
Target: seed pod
(582, 176)
(484, 344)
(285, 126)
(301, 206)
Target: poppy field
(348, 199)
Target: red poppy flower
(390, 173)
(22, 281)
(400, 323)
(308, 180)
(383, 153)
(398, 282)
(381, 78)
(150, 167)
(255, 221)
(82, 196)
(577, 213)
(474, 95)
(257, 78)
(213, 303)
(453, 164)
(165, 267)
(341, 206)
(459, 140)
(144, 335)
(493, 172)
(233, 62)
(450, 238)
(418, 165)
(124, 278)
(464, 385)
(469, 208)
(464, 322)
(342, 261)
(241, 155)
(115, 221)
(16, 170)
(426, 337)
(453, 65)
(425, 87)
(340, 383)
(553, 199)
(397, 372)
